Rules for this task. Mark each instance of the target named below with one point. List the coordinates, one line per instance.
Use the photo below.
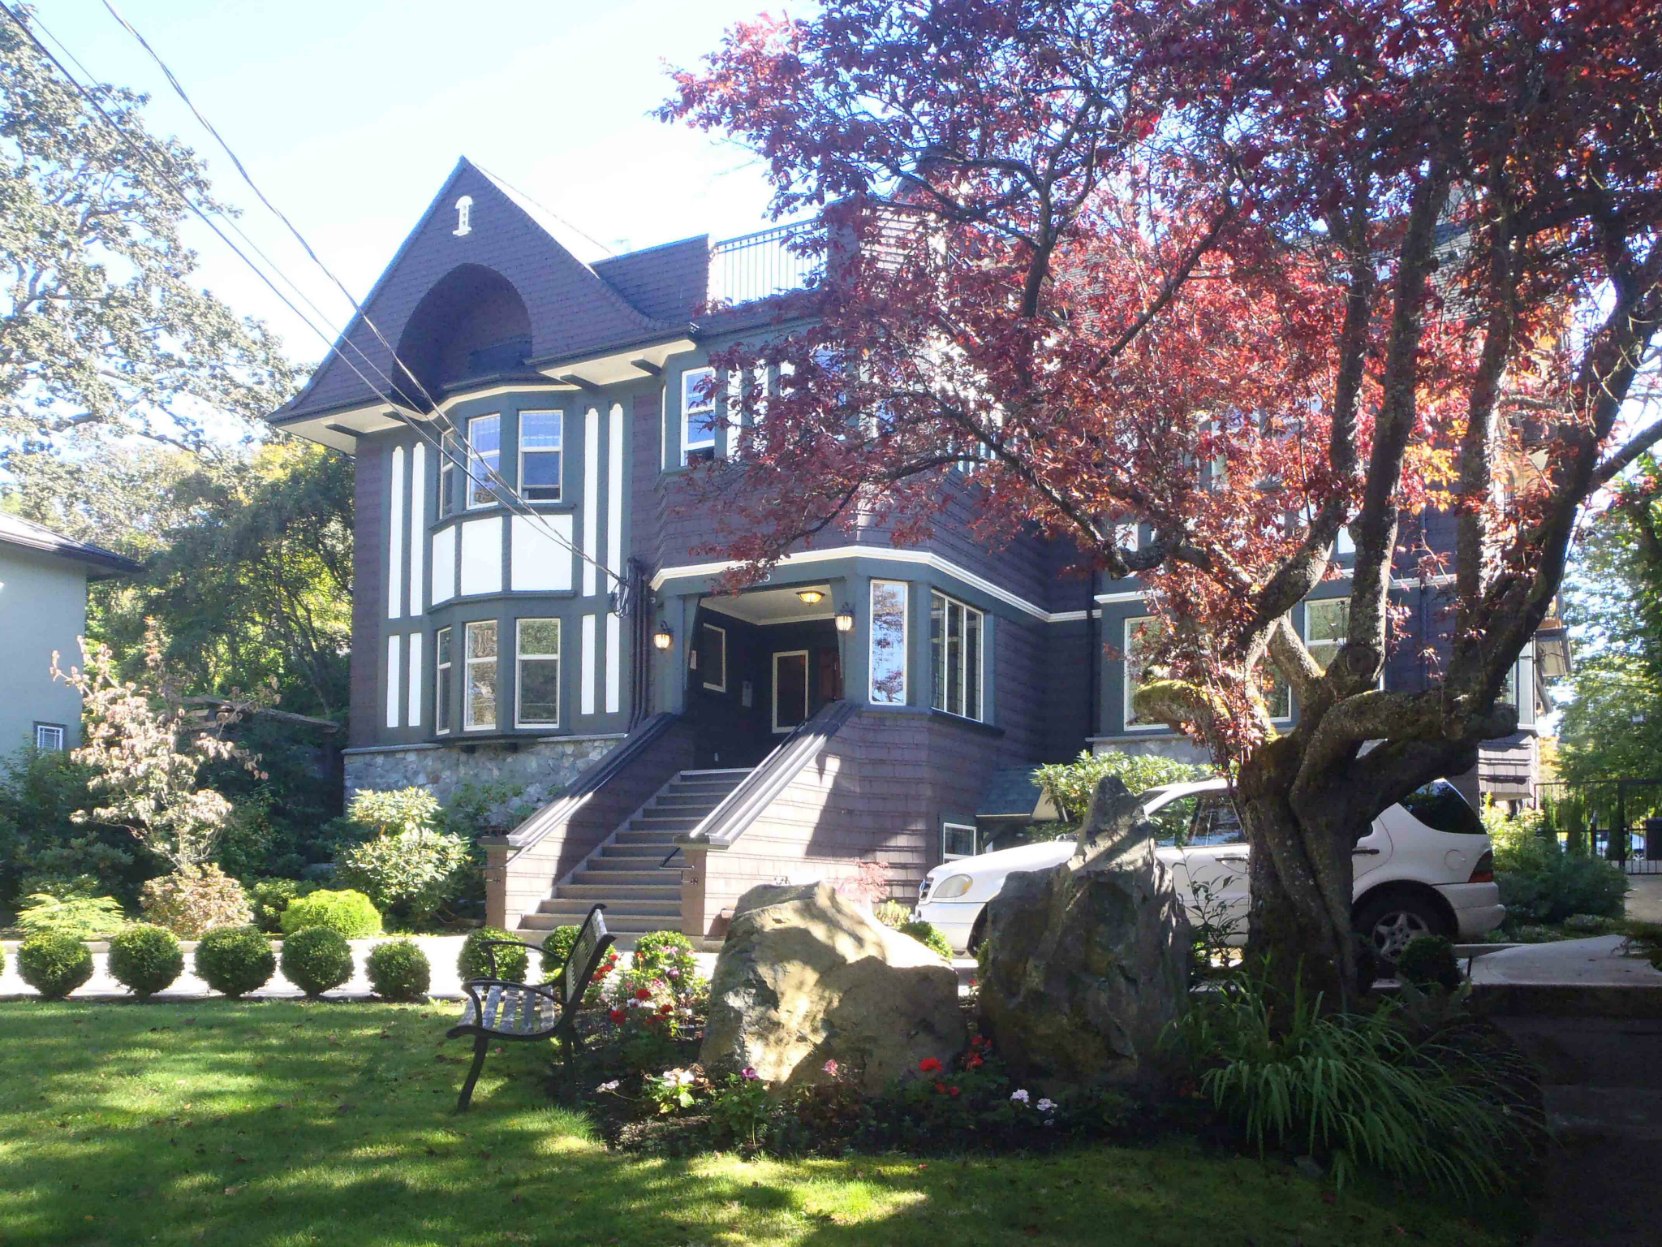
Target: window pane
(539, 690)
(441, 681)
(540, 430)
(539, 473)
(957, 840)
(888, 642)
(539, 638)
(937, 651)
(712, 659)
(481, 639)
(484, 458)
(481, 694)
(442, 646)
(1326, 620)
(972, 663)
(954, 658)
(1142, 636)
(698, 416)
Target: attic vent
(464, 216)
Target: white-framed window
(51, 736)
(958, 840)
(712, 662)
(698, 415)
(541, 455)
(442, 663)
(451, 450)
(464, 217)
(479, 704)
(955, 656)
(537, 683)
(484, 459)
(1142, 633)
(1326, 624)
(888, 642)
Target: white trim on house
(586, 665)
(418, 529)
(395, 681)
(413, 689)
(1401, 582)
(720, 687)
(614, 663)
(395, 539)
(614, 491)
(591, 498)
(919, 558)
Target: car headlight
(951, 886)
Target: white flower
(1019, 1096)
(1045, 1105)
(608, 1086)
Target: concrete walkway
(1592, 977)
(1644, 898)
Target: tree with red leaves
(1244, 274)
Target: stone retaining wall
(540, 767)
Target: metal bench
(499, 1009)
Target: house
(43, 610)
(537, 603)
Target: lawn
(286, 1124)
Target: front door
(790, 690)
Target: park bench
(499, 1009)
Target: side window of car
(1174, 820)
(1216, 824)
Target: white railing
(760, 265)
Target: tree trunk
(1301, 885)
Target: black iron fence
(1616, 819)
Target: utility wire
(157, 158)
(494, 479)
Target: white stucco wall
(43, 607)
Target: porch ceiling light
(845, 618)
(811, 597)
(663, 638)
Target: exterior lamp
(811, 597)
(663, 638)
(845, 618)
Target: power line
(494, 479)
(155, 158)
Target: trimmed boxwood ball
(235, 960)
(349, 914)
(145, 959)
(1429, 961)
(398, 970)
(475, 964)
(927, 934)
(317, 960)
(555, 949)
(54, 965)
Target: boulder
(804, 978)
(1088, 961)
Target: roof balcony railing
(764, 264)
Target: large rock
(804, 977)
(1087, 961)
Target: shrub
(556, 948)
(398, 970)
(665, 954)
(77, 916)
(1069, 785)
(474, 963)
(927, 934)
(1353, 1089)
(413, 873)
(349, 914)
(316, 960)
(193, 900)
(145, 959)
(1429, 961)
(388, 811)
(1541, 883)
(270, 897)
(54, 964)
(235, 960)
(891, 913)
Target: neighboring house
(854, 707)
(43, 610)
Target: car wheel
(1387, 923)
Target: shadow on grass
(285, 1123)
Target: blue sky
(350, 113)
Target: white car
(1425, 868)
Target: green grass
(284, 1124)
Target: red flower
(974, 1062)
(666, 1009)
(642, 993)
(940, 1088)
(978, 1042)
(618, 1016)
(952, 1090)
(928, 1065)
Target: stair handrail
(588, 782)
(756, 791)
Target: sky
(349, 114)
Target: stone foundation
(542, 768)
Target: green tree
(1612, 724)
(103, 329)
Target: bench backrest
(583, 960)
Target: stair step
(734, 773)
(651, 833)
(625, 853)
(634, 873)
(622, 924)
(683, 803)
(574, 911)
(611, 893)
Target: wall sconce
(811, 597)
(845, 618)
(663, 638)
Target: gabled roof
(575, 308)
(26, 534)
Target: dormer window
(464, 216)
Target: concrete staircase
(624, 873)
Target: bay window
(479, 705)
(541, 455)
(537, 687)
